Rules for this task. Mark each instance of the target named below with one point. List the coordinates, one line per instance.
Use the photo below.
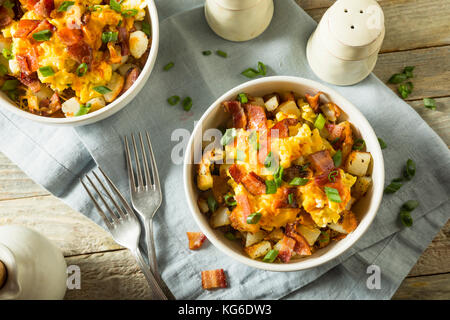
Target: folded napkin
(56, 158)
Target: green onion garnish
(290, 198)
(337, 158)
(102, 89)
(146, 28)
(397, 179)
(10, 85)
(278, 176)
(271, 187)
(383, 144)
(406, 219)
(65, 6)
(359, 144)
(168, 66)
(333, 194)
(242, 97)
(397, 78)
(429, 103)
(229, 200)
(7, 54)
(84, 109)
(212, 204)
(405, 89)
(240, 155)
(254, 218)
(297, 181)
(332, 176)
(262, 68)
(229, 136)
(230, 236)
(393, 187)
(187, 103)
(3, 70)
(82, 69)
(268, 160)
(42, 35)
(129, 13)
(173, 100)
(115, 6)
(109, 36)
(250, 73)
(410, 205)
(46, 71)
(408, 71)
(270, 256)
(320, 122)
(222, 53)
(207, 52)
(410, 169)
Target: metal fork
(123, 225)
(145, 190)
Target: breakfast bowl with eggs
(74, 62)
(283, 174)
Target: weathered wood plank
(435, 287)
(68, 229)
(410, 24)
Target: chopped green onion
(268, 160)
(278, 176)
(7, 54)
(120, 23)
(410, 205)
(297, 181)
(333, 194)
(173, 100)
(406, 219)
(230, 236)
(429, 103)
(410, 169)
(320, 122)
(405, 89)
(168, 66)
(270, 256)
(46, 71)
(42, 35)
(242, 97)
(393, 187)
(250, 73)
(3, 70)
(290, 198)
(254, 218)
(222, 53)
(397, 78)
(383, 144)
(337, 158)
(146, 28)
(408, 71)
(229, 202)
(129, 13)
(212, 204)
(187, 103)
(10, 85)
(332, 176)
(109, 36)
(359, 144)
(240, 155)
(397, 179)
(65, 6)
(229, 136)
(207, 52)
(82, 69)
(84, 109)
(102, 89)
(115, 6)
(271, 187)
(262, 68)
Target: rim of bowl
(333, 252)
(117, 104)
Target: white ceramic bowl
(365, 209)
(111, 108)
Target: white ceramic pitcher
(35, 267)
(239, 20)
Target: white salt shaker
(31, 267)
(343, 50)
(239, 20)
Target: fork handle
(149, 275)
(151, 245)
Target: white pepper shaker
(239, 20)
(343, 50)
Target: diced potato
(220, 218)
(14, 67)
(290, 107)
(258, 250)
(361, 186)
(138, 43)
(259, 101)
(329, 111)
(252, 238)
(202, 205)
(115, 85)
(347, 223)
(123, 69)
(358, 163)
(287, 96)
(96, 103)
(71, 107)
(337, 227)
(204, 177)
(116, 66)
(272, 103)
(276, 235)
(310, 234)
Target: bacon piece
(5, 19)
(81, 52)
(286, 247)
(349, 221)
(237, 113)
(196, 240)
(124, 41)
(301, 245)
(28, 61)
(31, 81)
(323, 179)
(296, 171)
(240, 213)
(321, 161)
(334, 130)
(283, 127)
(236, 173)
(24, 28)
(313, 100)
(44, 7)
(55, 103)
(282, 199)
(264, 147)
(131, 78)
(256, 116)
(70, 36)
(242, 201)
(254, 183)
(213, 279)
(43, 25)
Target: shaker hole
(345, 10)
(360, 11)
(353, 27)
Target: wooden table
(418, 34)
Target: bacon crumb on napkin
(213, 279)
(196, 240)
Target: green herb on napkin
(405, 212)
(252, 73)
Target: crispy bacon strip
(256, 116)
(124, 41)
(28, 61)
(213, 279)
(237, 113)
(240, 213)
(55, 103)
(81, 52)
(321, 161)
(131, 78)
(242, 201)
(44, 7)
(70, 36)
(31, 81)
(313, 100)
(286, 248)
(264, 147)
(236, 173)
(254, 183)
(5, 19)
(196, 240)
(301, 245)
(282, 199)
(43, 25)
(24, 28)
(283, 127)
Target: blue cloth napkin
(56, 157)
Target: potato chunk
(115, 85)
(357, 163)
(290, 107)
(258, 250)
(138, 43)
(272, 103)
(252, 238)
(361, 187)
(220, 218)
